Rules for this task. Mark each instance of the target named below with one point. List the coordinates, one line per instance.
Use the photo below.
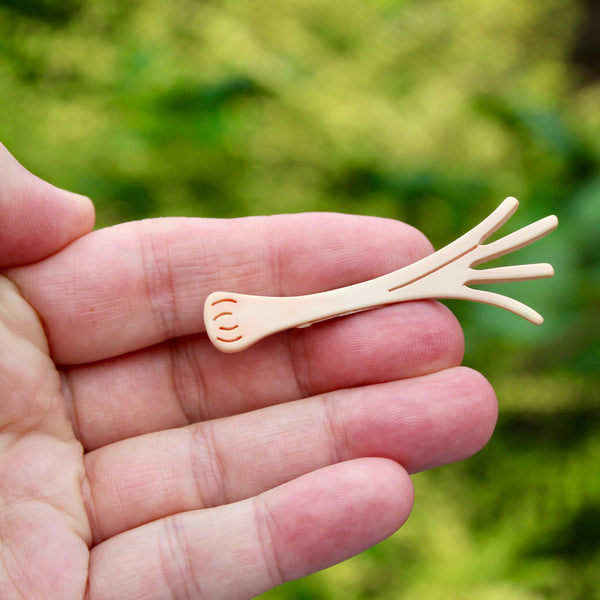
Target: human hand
(140, 462)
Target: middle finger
(187, 380)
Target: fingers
(237, 551)
(419, 423)
(36, 218)
(127, 287)
(181, 382)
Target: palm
(188, 472)
(44, 526)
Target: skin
(139, 462)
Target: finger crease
(89, 500)
(70, 405)
(295, 348)
(204, 444)
(177, 569)
(265, 526)
(181, 361)
(160, 289)
(333, 430)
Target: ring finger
(420, 423)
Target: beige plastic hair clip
(236, 321)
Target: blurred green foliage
(428, 111)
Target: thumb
(36, 218)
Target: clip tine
(516, 240)
(511, 273)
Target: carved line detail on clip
(223, 300)
(223, 314)
(230, 341)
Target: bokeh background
(429, 111)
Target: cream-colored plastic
(236, 321)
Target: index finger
(134, 285)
